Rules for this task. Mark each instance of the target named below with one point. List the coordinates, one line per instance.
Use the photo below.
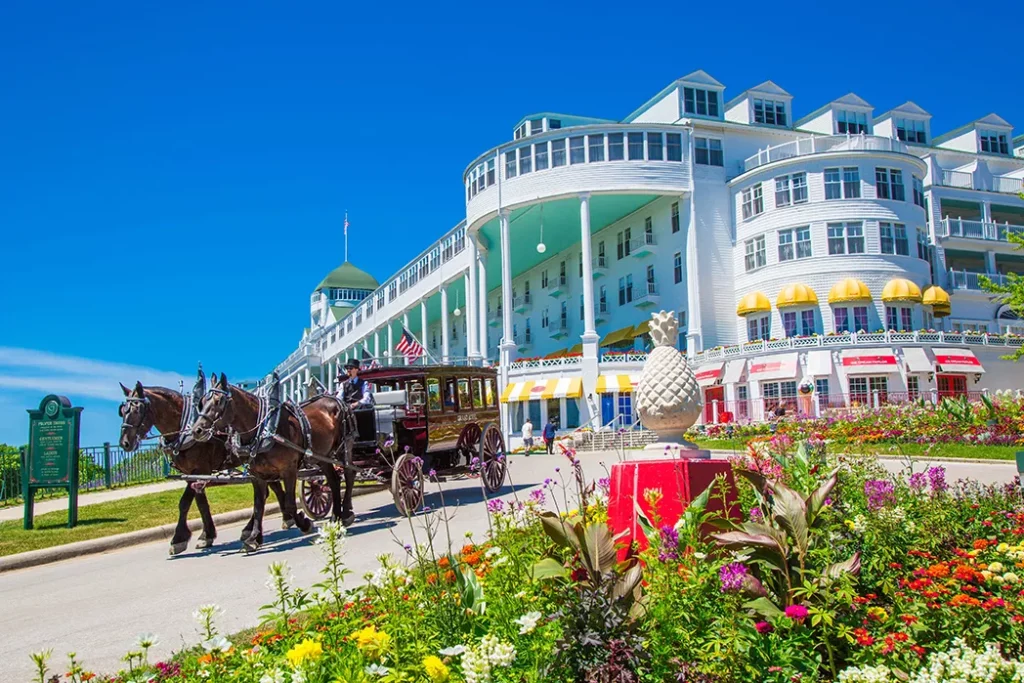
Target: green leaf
(816, 500)
(548, 568)
(646, 527)
(850, 566)
(558, 530)
(790, 512)
(628, 582)
(600, 548)
(764, 607)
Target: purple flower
(796, 612)
(432, 473)
(558, 469)
(731, 577)
(548, 482)
(937, 479)
(604, 483)
(669, 544)
(537, 496)
(880, 493)
(756, 515)
(495, 506)
(408, 548)
(917, 481)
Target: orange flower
(963, 600)
(980, 544)
(938, 571)
(431, 578)
(468, 548)
(444, 563)
(965, 573)
(88, 676)
(206, 659)
(449, 576)
(472, 559)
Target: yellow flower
(307, 649)
(996, 567)
(371, 642)
(1002, 547)
(435, 668)
(849, 524)
(878, 613)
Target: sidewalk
(17, 512)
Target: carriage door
(951, 386)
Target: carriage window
(464, 399)
(449, 394)
(489, 388)
(433, 395)
(478, 394)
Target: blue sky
(173, 179)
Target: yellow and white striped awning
(622, 384)
(564, 387)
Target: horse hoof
(178, 548)
(251, 546)
(205, 543)
(348, 519)
(287, 524)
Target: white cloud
(28, 369)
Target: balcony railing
(521, 303)
(978, 230)
(558, 328)
(557, 286)
(1008, 185)
(824, 143)
(858, 339)
(600, 266)
(958, 179)
(965, 279)
(966, 181)
(643, 245)
(647, 294)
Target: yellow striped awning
(622, 384)
(625, 334)
(516, 391)
(557, 354)
(564, 387)
(578, 348)
(642, 329)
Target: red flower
(578, 574)
(908, 619)
(900, 637)
(763, 627)
(980, 544)
(918, 650)
(895, 565)
(863, 637)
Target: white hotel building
(841, 249)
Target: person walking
(549, 435)
(528, 435)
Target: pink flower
(763, 627)
(796, 612)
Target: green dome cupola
(347, 276)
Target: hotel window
(742, 411)
(536, 126)
(675, 217)
(595, 145)
(913, 388)
(625, 290)
(648, 230)
(807, 322)
(577, 154)
(756, 254)
(787, 251)
(923, 250)
(674, 147)
(554, 124)
(851, 182)
(753, 202)
(889, 184)
(911, 130)
(851, 122)
(615, 150)
(540, 156)
(490, 172)
(770, 112)
(544, 319)
(759, 327)
(833, 186)
(544, 279)
(557, 153)
(581, 263)
(510, 164)
(791, 189)
(893, 237)
(821, 389)
(799, 181)
(655, 147)
(520, 132)
(802, 247)
(564, 315)
(636, 146)
(854, 238)
(803, 242)
(623, 243)
(992, 142)
(789, 323)
(783, 195)
(899, 318)
(700, 102)
(602, 300)
(677, 267)
(918, 191)
(708, 152)
(525, 160)
(581, 307)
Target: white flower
(204, 612)
(866, 674)
(453, 651)
(298, 676)
(493, 552)
(376, 670)
(274, 676)
(700, 556)
(528, 622)
(144, 641)
(217, 644)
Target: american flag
(409, 347)
(346, 224)
(369, 362)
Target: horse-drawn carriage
(436, 419)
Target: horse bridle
(123, 412)
(224, 413)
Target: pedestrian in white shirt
(528, 435)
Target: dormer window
(700, 102)
(852, 122)
(911, 130)
(536, 126)
(554, 123)
(770, 112)
(993, 142)
(520, 132)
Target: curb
(34, 558)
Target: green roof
(347, 275)
(340, 311)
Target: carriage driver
(355, 391)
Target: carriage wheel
(407, 484)
(468, 446)
(492, 458)
(315, 498)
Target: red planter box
(680, 481)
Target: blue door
(607, 408)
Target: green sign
(51, 460)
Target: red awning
(869, 361)
(782, 366)
(958, 360)
(709, 373)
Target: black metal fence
(99, 467)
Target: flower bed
(838, 571)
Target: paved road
(96, 605)
(53, 504)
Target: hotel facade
(814, 263)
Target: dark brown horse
(148, 407)
(332, 431)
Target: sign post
(52, 457)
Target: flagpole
(346, 236)
(423, 346)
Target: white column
(589, 328)
(990, 262)
(444, 324)
(423, 329)
(693, 323)
(405, 326)
(391, 342)
(376, 345)
(305, 383)
(469, 315)
(481, 302)
(986, 212)
(507, 345)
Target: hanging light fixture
(541, 247)
(458, 311)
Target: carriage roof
(408, 372)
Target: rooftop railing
(822, 144)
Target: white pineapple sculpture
(668, 398)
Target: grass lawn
(938, 450)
